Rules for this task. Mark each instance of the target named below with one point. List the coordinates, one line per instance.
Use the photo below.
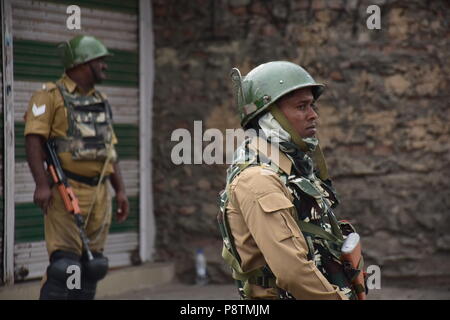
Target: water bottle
(200, 266)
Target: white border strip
(146, 78)
(124, 101)
(32, 257)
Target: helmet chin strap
(316, 155)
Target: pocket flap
(274, 201)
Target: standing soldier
(280, 235)
(78, 118)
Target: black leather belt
(92, 181)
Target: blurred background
(384, 121)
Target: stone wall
(384, 117)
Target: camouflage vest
(313, 200)
(90, 133)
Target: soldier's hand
(122, 207)
(42, 197)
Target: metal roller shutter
(35, 62)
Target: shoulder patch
(49, 86)
(38, 110)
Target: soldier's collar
(71, 85)
(264, 147)
(68, 83)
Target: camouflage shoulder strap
(68, 105)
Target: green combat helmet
(82, 49)
(268, 82)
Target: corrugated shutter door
(37, 28)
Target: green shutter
(128, 136)
(30, 221)
(40, 61)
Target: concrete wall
(384, 117)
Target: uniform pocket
(273, 202)
(284, 225)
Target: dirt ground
(179, 291)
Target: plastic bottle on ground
(200, 266)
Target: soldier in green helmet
(78, 118)
(281, 237)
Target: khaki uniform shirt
(47, 116)
(261, 213)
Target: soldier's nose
(312, 114)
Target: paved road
(179, 291)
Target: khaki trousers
(61, 232)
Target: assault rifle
(352, 259)
(66, 192)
